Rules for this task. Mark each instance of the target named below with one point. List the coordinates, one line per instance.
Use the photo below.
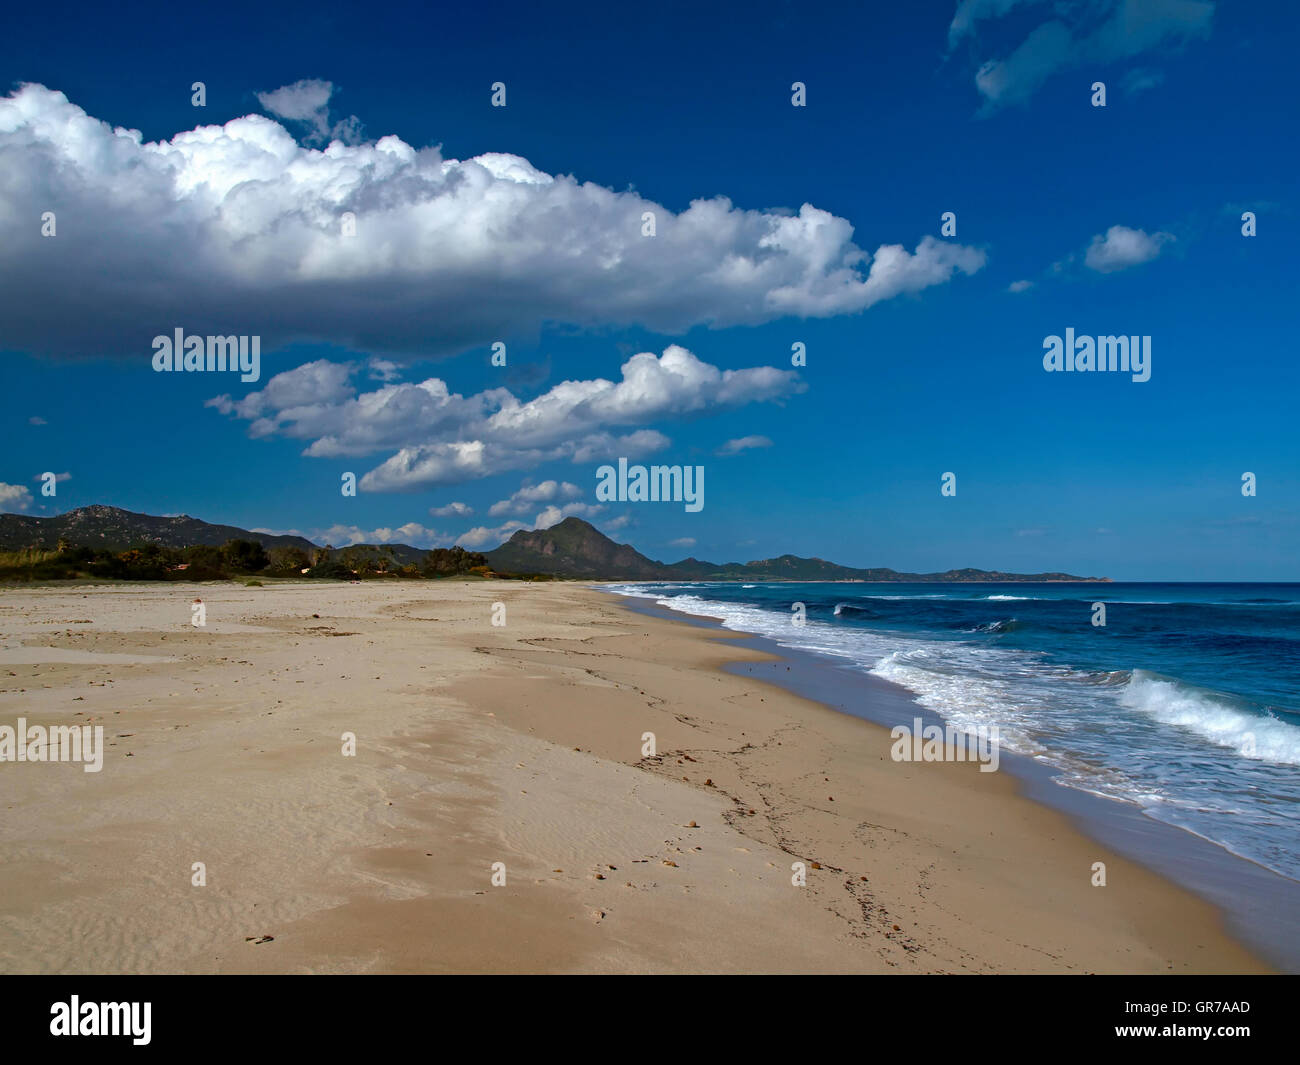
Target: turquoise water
(1185, 702)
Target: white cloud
(341, 536)
(14, 497)
(743, 443)
(452, 510)
(1077, 35)
(296, 395)
(554, 515)
(1016, 78)
(601, 446)
(36, 419)
(683, 541)
(384, 370)
(437, 438)
(59, 478)
(236, 229)
(413, 534)
(1122, 247)
(529, 495)
(307, 102)
(485, 537)
(1020, 286)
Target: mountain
(116, 529)
(572, 549)
(576, 549)
(794, 568)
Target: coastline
(1247, 895)
(518, 744)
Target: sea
(1184, 704)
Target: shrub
(244, 556)
(335, 570)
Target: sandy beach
(518, 743)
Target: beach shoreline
(520, 744)
(1247, 894)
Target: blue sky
(1123, 219)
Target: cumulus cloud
(554, 515)
(529, 495)
(437, 437)
(683, 541)
(1020, 286)
(237, 230)
(295, 395)
(14, 498)
(413, 534)
(306, 103)
(384, 370)
(1078, 34)
(743, 443)
(481, 536)
(484, 536)
(1121, 247)
(452, 510)
(431, 465)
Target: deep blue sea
(1186, 702)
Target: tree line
(234, 558)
